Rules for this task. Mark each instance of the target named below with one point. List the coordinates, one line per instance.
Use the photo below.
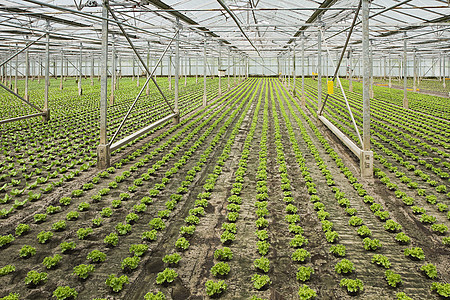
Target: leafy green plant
(83, 271)
(220, 269)
(392, 226)
(415, 253)
(300, 255)
(83, 206)
(402, 296)
(35, 278)
(402, 238)
(6, 240)
(355, 221)
(298, 241)
(157, 224)
(223, 254)
(263, 247)
(227, 237)
(72, 215)
(53, 209)
(364, 231)
(106, 212)
(172, 259)
(331, 236)
(429, 270)
(130, 263)
(138, 249)
(96, 256)
(44, 236)
(21, 229)
(187, 230)
(116, 283)
(182, 244)
(440, 228)
(353, 286)
(97, 222)
(50, 262)
(344, 267)
(39, 218)
(149, 235)
(371, 244)
(122, 228)
(7, 269)
(67, 246)
(260, 281)
(111, 240)
(27, 251)
(442, 289)
(84, 232)
(381, 260)
(262, 264)
(392, 278)
(338, 250)
(304, 273)
(215, 288)
(156, 296)
(305, 292)
(167, 276)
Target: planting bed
(248, 198)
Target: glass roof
(270, 27)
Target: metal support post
(219, 68)
(196, 70)
(414, 71)
(134, 70)
(228, 68)
(289, 68)
(137, 75)
(319, 68)
(170, 72)
(390, 71)
(366, 159)
(67, 69)
(350, 69)
(185, 68)
(294, 73)
(371, 69)
(54, 67)
(147, 90)
(27, 74)
(384, 65)
(405, 74)
(443, 71)
(16, 88)
(61, 86)
(176, 119)
(92, 69)
(46, 110)
(234, 69)
(103, 152)
(113, 74)
(80, 89)
(204, 73)
(303, 70)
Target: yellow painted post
(330, 87)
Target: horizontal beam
(139, 133)
(341, 136)
(21, 118)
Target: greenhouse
(224, 149)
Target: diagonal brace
(143, 88)
(18, 96)
(23, 49)
(140, 58)
(342, 54)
